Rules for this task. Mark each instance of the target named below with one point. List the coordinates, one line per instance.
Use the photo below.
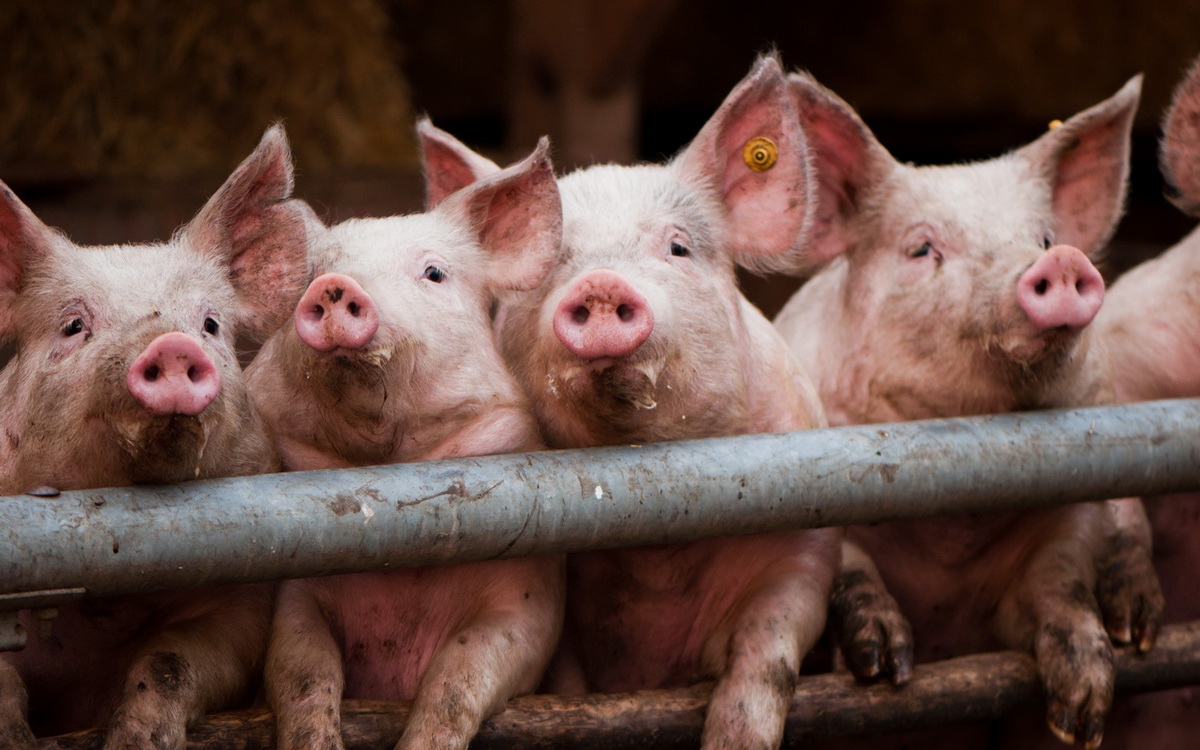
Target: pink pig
(389, 358)
(1151, 324)
(964, 290)
(125, 373)
(640, 334)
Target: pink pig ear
(1180, 155)
(849, 162)
(517, 216)
(23, 239)
(251, 225)
(1086, 160)
(752, 153)
(449, 166)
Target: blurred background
(118, 118)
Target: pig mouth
(628, 383)
(167, 448)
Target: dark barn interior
(121, 117)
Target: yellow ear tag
(1055, 124)
(760, 154)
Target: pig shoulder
(1149, 324)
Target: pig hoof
(1129, 594)
(1077, 672)
(875, 638)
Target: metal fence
(62, 546)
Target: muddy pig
(390, 358)
(126, 373)
(1151, 325)
(962, 290)
(641, 335)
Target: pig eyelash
(925, 249)
(73, 326)
(211, 326)
(435, 274)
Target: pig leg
(1128, 590)
(204, 658)
(756, 652)
(14, 729)
(501, 651)
(304, 678)
(874, 637)
(1050, 609)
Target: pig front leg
(203, 659)
(14, 729)
(1050, 609)
(499, 652)
(303, 674)
(872, 634)
(1128, 589)
(756, 650)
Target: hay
(164, 88)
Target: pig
(639, 335)
(389, 358)
(126, 373)
(959, 290)
(1151, 324)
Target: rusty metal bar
(315, 523)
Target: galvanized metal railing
(123, 540)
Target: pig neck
(405, 412)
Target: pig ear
(23, 239)
(1180, 155)
(449, 166)
(849, 162)
(752, 153)
(1086, 160)
(517, 216)
(251, 225)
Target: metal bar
(968, 688)
(315, 523)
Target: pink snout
(602, 315)
(173, 375)
(1062, 288)
(336, 312)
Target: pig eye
(925, 249)
(1046, 242)
(435, 274)
(211, 326)
(74, 326)
(679, 251)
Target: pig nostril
(580, 315)
(320, 311)
(191, 373)
(353, 308)
(625, 313)
(151, 373)
(1041, 286)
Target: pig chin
(162, 448)
(617, 381)
(1038, 347)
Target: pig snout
(173, 375)
(602, 315)
(1062, 288)
(336, 312)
